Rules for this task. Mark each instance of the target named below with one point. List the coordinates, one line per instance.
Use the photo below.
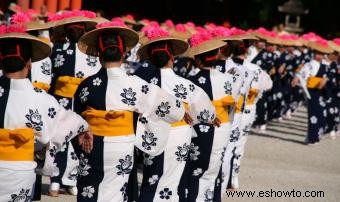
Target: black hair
(10, 47)
(74, 33)
(207, 59)
(110, 42)
(160, 58)
(237, 48)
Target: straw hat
(130, 20)
(99, 20)
(246, 36)
(335, 45)
(179, 46)
(320, 46)
(68, 17)
(59, 26)
(40, 49)
(37, 25)
(180, 31)
(204, 45)
(289, 40)
(88, 43)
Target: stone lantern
(293, 10)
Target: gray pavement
(279, 161)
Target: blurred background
(320, 16)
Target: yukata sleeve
(264, 82)
(62, 125)
(157, 110)
(201, 108)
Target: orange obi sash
(41, 85)
(66, 86)
(182, 122)
(313, 82)
(17, 144)
(221, 107)
(251, 96)
(109, 123)
(239, 104)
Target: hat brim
(40, 49)
(88, 43)
(179, 46)
(334, 46)
(287, 42)
(182, 35)
(206, 47)
(59, 26)
(36, 26)
(317, 47)
(245, 37)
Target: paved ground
(279, 161)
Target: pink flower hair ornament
(156, 32)
(21, 17)
(199, 38)
(14, 28)
(113, 23)
(70, 14)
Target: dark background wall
(323, 17)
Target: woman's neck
(112, 64)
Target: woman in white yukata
(69, 67)
(223, 91)
(29, 119)
(162, 173)
(256, 81)
(107, 100)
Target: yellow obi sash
(109, 123)
(239, 104)
(41, 85)
(221, 108)
(182, 122)
(66, 86)
(313, 82)
(251, 96)
(17, 144)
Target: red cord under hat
(119, 46)
(165, 49)
(17, 54)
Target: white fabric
(207, 181)
(146, 99)
(16, 185)
(115, 148)
(179, 137)
(41, 71)
(43, 113)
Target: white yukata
(260, 82)
(223, 90)
(231, 65)
(26, 125)
(69, 67)
(162, 173)
(41, 74)
(108, 100)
